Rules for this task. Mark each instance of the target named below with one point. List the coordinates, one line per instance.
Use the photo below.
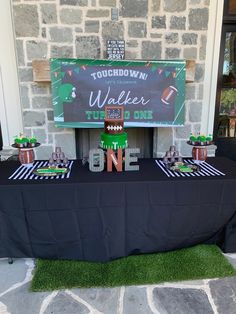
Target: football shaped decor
(168, 95)
(25, 147)
(199, 143)
(114, 136)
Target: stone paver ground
(190, 297)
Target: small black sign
(115, 49)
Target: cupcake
(202, 140)
(209, 139)
(21, 141)
(192, 139)
(32, 141)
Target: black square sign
(115, 49)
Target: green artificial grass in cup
(198, 262)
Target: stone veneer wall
(152, 29)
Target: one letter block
(111, 159)
(129, 159)
(96, 160)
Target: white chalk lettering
(124, 98)
(134, 73)
(142, 76)
(119, 72)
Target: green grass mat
(199, 262)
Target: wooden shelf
(190, 71)
(41, 71)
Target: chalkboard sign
(114, 113)
(151, 92)
(115, 49)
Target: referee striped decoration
(206, 170)
(26, 173)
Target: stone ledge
(41, 69)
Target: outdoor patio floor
(201, 296)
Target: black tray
(199, 145)
(25, 147)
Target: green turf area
(199, 262)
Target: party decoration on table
(50, 171)
(22, 141)
(183, 167)
(58, 158)
(113, 160)
(173, 161)
(25, 146)
(114, 136)
(199, 143)
(172, 155)
(200, 140)
(33, 141)
(130, 158)
(203, 170)
(113, 141)
(96, 160)
(41, 171)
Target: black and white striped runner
(205, 170)
(24, 172)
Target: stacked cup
(172, 155)
(58, 158)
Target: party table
(100, 216)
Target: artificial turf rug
(199, 262)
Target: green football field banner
(152, 92)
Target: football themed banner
(152, 92)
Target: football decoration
(168, 95)
(113, 143)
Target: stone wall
(154, 29)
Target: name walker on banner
(152, 92)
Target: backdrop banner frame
(152, 92)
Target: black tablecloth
(103, 216)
